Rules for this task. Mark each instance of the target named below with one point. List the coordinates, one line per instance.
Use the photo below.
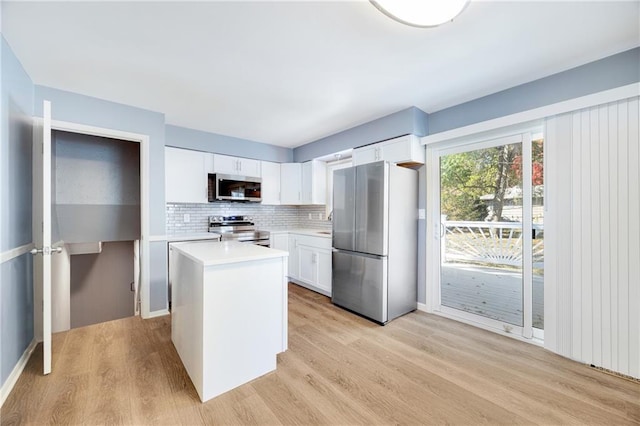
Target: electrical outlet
(421, 214)
(310, 216)
(319, 216)
(186, 218)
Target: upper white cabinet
(314, 182)
(304, 183)
(405, 149)
(185, 176)
(290, 183)
(270, 182)
(236, 165)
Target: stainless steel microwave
(234, 188)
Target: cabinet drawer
(316, 242)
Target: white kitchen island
(229, 312)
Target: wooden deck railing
(489, 243)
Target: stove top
(237, 228)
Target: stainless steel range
(238, 228)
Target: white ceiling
(288, 73)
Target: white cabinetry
(290, 183)
(185, 176)
(294, 267)
(303, 183)
(270, 182)
(236, 165)
(314, 182)
(366, 154)
(310, 262)
(279, 241)
(405, 149)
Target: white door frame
(143, 140)
(433, 249)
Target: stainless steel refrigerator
(375, 232)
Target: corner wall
(16, 237)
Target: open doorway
(96, 216)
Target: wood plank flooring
(340, 369)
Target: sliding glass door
(490, 232)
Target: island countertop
(224, 252)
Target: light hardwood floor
(340, 369)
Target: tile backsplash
(263, 216)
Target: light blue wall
(182, 137)
(608, 73)
(16, 213)
(75, 108)
(408, 121)
(16, 150)
(613, 71)
(16, 311)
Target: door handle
(46, 250)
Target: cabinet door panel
(290, 183)
(279, 242)
(307, 261)
(225, 164)
(293, 257)
(185, 176)
(364, 155)
(307, 182)
(324, 270)
(248, 167)
(270, 183)
(396, 152)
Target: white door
(43, 239)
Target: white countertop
(325, 233)
(224, 252)
(193, 237)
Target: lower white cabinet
(294, 267)
(279, 241)
(315, 266)
(309, 258)
(310, 262)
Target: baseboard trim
(422, 307)
(8, 385)
(156, 314)
(310, 287)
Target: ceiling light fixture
(421, 13)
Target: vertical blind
(592, 276)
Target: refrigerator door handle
(358, 253)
